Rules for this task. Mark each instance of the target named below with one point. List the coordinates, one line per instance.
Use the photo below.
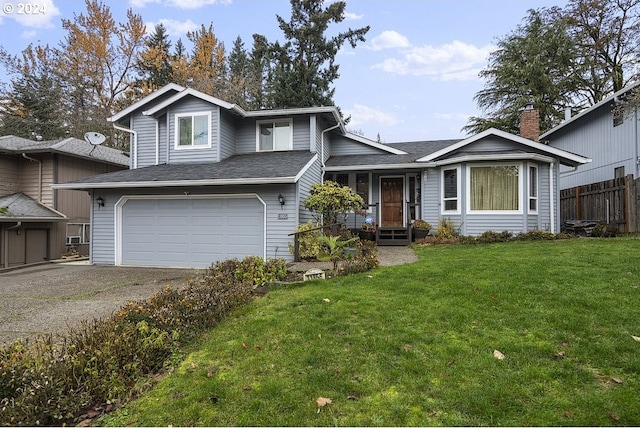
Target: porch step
(393, 236)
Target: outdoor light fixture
(281, 199)
(100, 201)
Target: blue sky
(413, 79)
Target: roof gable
(563, 156)
(20, 207)
(605, 102)
(149, 98)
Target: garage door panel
(190, 232)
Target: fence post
(631, 201)
(578, 210)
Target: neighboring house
(603, 133)
(210, 181)
(39, 223)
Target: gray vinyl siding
(475, 224)
(9, 175)
(342, 146)
(145, 150)
(608, 147)
(227, 135)
(246, 133)
(196, 155)
(163, 146)
(311, 176)
(277, 227)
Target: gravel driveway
(49, 298)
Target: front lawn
(416, 345)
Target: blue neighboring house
(210, 181)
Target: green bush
(446, 229)
(48, 383)
(309, 242)
(366, 259)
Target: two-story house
(38, 223)
(604, 132)
(210, 181)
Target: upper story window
(494, 188)
(451, 190)
(193, 130)
(275, 135)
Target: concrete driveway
(49, 298)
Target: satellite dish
(94, 138)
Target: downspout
(322, 148)
(6, 243)
(157, 142)
(24, 155)
(552, 198)
(134, 149)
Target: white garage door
(191, 232)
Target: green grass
(413, 345)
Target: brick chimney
(530, 123)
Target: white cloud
(180, 4)
(453, 61)
(37, 14)
(363, 115)
(174, 28)
(352, 16)
(389, 40)
(29, 34)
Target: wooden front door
(392, 196)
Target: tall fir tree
(303, 69)
(154, 61)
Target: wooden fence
(614, 202)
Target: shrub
(329, 200)
(366, 259)
(309, 242)
(445, 229)
(48, 383)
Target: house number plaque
(283, 216)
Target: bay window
(494, 188)
(533, 189)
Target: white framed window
(533, 189)
(193, 130)
(494, 188)
(274, 135)
(450, 190)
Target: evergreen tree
(32, 108)
(535, 64)
(239, 78)
(154, 62)
(304, 68)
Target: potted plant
(421, 229)
(367, 231)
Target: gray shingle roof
(251, 168)
(20, 207)
(69, 146)
(414, 150)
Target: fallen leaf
(352, 397)
(499, 355)
(326, 300)
(616, 379)
(247, 388)
(321, 401)
(636, 338)
(244, 345)
(569, 414)
(451, 362)
(614, 416)
(560, 354)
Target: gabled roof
(68, 146)
(605, 101)
(563, 156)
(20, 207)
(133, 107)
(197, 94)
(391, 148)
(403, 155)
(251, 168)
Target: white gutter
(322, 148)
(134, 148)
(552, 198)
(157, 142)
(24, 155)
(175, 183)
